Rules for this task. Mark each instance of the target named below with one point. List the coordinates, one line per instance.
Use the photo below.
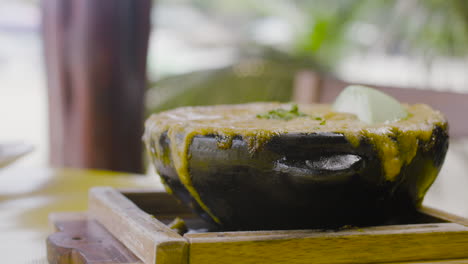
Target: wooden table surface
(27, 196)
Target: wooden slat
(81, 241)
(366, 245)
(158, 203)
(148, 238)
(153, 242)
(444, 215)
(448, 261)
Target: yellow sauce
(396, 143)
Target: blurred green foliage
(329, 29)
(325, 31)
(415, 28)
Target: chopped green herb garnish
(318, 118)
(283, 114)
(323, 122)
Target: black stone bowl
(295, 181)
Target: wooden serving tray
(128, 226)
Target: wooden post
(95, 54)
(306, 87)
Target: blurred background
(238, 51)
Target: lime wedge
(369, 105)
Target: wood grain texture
(158, 203)
(444, 215)
(81, 241)
(366, 245)
(95, 55)
(149, 239)
(447, 261)
(120, 213)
